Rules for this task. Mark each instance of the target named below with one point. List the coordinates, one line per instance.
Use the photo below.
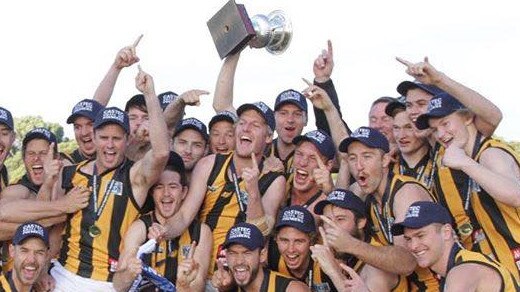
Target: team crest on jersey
(321, 287)
(117, 188)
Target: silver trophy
(232, 29)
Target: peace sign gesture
(127, 56)
(188, 269)
(423, 72)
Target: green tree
(23, 125)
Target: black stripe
(273, 255)
(217, 167)
(85, 268)
(499, 222)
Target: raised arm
(134, 237)
(175, 110)
(147, 170)
(487, 114)
(223, 99)
(126, 57)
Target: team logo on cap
(336, 196)
(42, 131)
(32, 229)
(290, 95)
(82, 106)
(361, 133)
(434, 104)
(3, 115)
(413, 212)
(293, 215)
(192, 122)
(262, 106)
(168, 98)
(240, 232)
(316, 136)
(114, 114)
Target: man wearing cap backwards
(388, 196)
(91, 238)
(245, 253)
(430, 237)
(344, 212)
(30, 251)
(231, 188)
(190, 141)
(289, 253)
(222, 132)
(7, 136)
(492, 179)
(413, 157)
(313, 161)
(174, 258)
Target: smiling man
(30, 251)
(190, 141)
(7, 137)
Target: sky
(55, 53)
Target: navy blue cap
(291, 96)
(321, 140)
(40, 133)
(367, 136)
(245, 234)
(136, 100)
(88, 108)
(392, 108)
(422, 214)
(112, 115)
(344, 199)
(404, 86)
(440, 106)
(6, 118)
(223, 116)
(192, 123)
(262, 109)
(166, 98)
(298, 217)
(30, 229)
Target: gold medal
(465, 230)
(94, 231)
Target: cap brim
(404, 86)
(73, 117)
(220, 118)
(343, 146)
(304, 229)
(297, 104)
(192, 127)
(393, 106)
(318, 208)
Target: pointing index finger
(255, 163)
(329, 45)
(137, 41)
(50, 152)
(403, 61)
(323, 236)
(307, 81)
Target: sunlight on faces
(29, 259)
(294, 246)
(136, 117)
(380, 121)
(452, 128)
(191, 146)
(111, 141)
(251, 134)
(222, 137)
(33, 159)
(168, 194)
(84, 134)
(244, 264)
(404, 133)
(366, 166)
(6, 140)
(304, 162)
(290, 121)
(417, 102)
(345, 219)
(428, 243)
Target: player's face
(34, 157)
(451, 129)
(380, 121)
(345, 219)
(111, 141)
(427, 243)
(294, 246)
(222, 137)
(6, 141)
(290, 121)
(168, 194)
(84, 134)
(404, 133)
(417, 102)
(29, 260)
(191, 146)
(251, 134)
(243, 263)
(304, 162)
(136, 118)
(367, 166)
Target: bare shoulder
(473, 277)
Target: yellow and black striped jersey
(87, 253)
(287, 163)
(421, 172)
(273, 281)
(6, 283)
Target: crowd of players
(423, 198)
